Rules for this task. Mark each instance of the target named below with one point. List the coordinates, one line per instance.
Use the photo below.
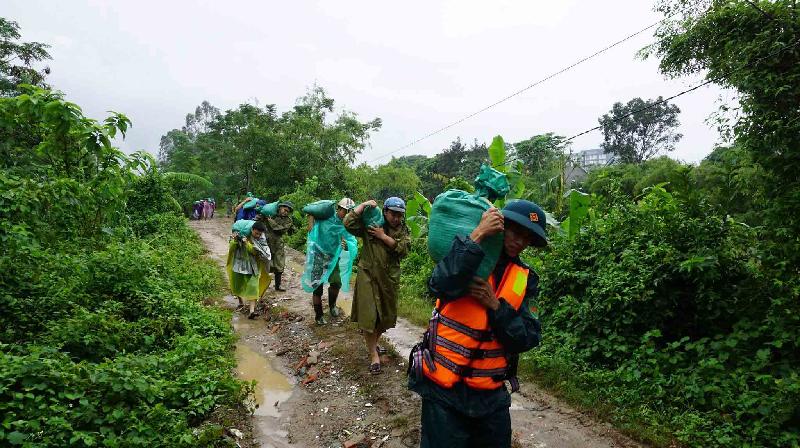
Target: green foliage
(660, 308)
(255, 148)
(578, 211)
(638, 130)
(25, 54)
(104, 338)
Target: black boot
(333, 294)
(319, 315)
(278, 276)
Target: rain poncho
(248, 267)
(324, 252)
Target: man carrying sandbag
(248, 263)
(477, 332)
(378, 278)
(335, 278)
(278, 226)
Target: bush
(660, 311)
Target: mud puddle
(274, 388)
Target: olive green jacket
(278, 226)
(378, 278)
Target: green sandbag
(243, 226)
(457, 212)
(491, 184)
(251, 203)
(372, 217)
(270, 209)
(321, 209)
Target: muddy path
(314, 390)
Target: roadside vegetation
(669, 295)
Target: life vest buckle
(478, 353)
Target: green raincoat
(378, 278)
(277, 226)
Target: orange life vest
(459, 344)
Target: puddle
(272, 387)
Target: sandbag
(372, 217)
(324, 253)
(243, 226)
(252, 203)
(270, 209)
(321, 210)
(456, 212)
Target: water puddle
(272, 387)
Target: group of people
(479, 325)
(204, 208)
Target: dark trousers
(444, 427)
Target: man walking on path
(248, 266)
(378, 279)
(334, 280)
(478, 330)
(278, 226)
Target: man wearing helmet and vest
(378, 279)
(334, 281)
(477, 332)
(278, 226)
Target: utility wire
(518, 92)
(684, 92)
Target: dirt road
(314, 390)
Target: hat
(395, 204)
(286, 204)
(528, 215)
(346, 203)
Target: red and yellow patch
(534, 217)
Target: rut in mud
(314, 390)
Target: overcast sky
(418, 65)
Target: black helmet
(528, 215)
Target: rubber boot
(333, 294)
(278, 276)
(319, 315)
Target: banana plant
(418, 209)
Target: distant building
(573, 174)
(593, 158)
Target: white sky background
(418, 65)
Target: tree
(17, 59)
(637, 131)
(393, 181)
(540, 152)
(751, 47)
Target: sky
(418, 65)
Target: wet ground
(313, 388)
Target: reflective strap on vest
(469, 353)
(478, 335)
(467, 371)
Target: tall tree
(752, 47)
(638, 130)
(540, 152)
(17, 60)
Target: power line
(518, 92)
(684, 92)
